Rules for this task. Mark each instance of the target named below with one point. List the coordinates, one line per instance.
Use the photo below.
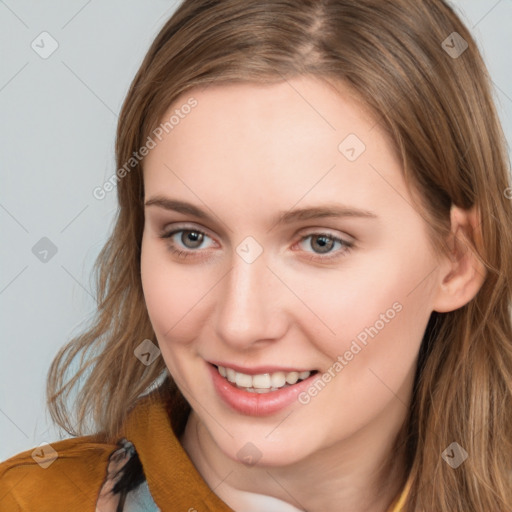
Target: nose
(251, 309)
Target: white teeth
(292, 377)
(279, 379)
(260, 391)
(231, 374)
(243, 380)
(263, 382)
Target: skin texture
(243, 154)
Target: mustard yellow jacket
(75, 474)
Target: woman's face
(292, 246)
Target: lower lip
(257, 404)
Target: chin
(258, 451)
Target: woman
(305, 301)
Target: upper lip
(256, 370)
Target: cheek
(170, 292)
(379, 328)
(384, 303)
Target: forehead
(289, 109)
(289, 140)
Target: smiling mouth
(263, 382)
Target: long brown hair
(407, 61)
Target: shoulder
(63, 475)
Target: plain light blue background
(57, 126)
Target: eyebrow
(284, 217)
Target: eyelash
(348, 246)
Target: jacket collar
(173, 480)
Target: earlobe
(462, 271)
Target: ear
(462, 271)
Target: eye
(324, 243)
(187, 239)
(186, 243)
